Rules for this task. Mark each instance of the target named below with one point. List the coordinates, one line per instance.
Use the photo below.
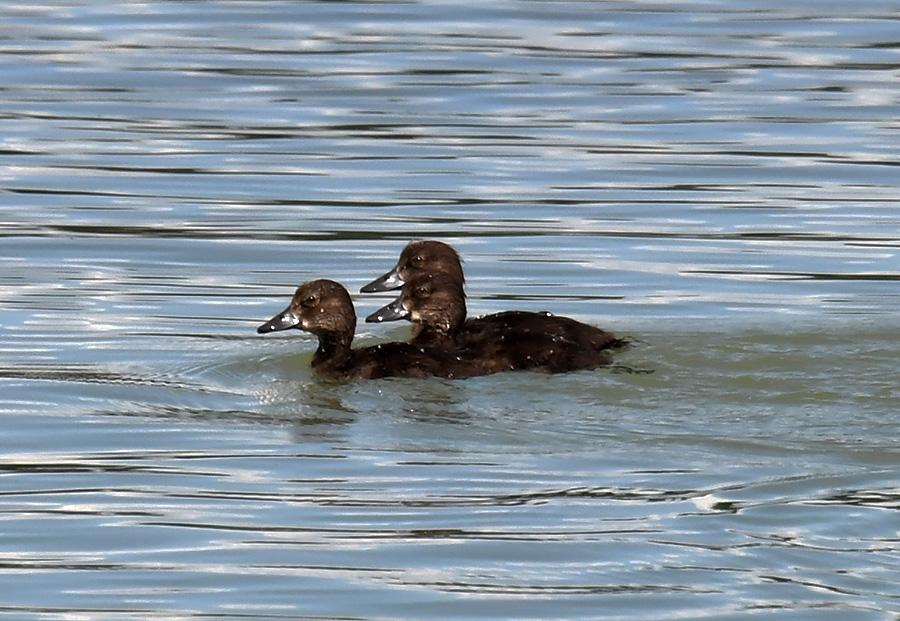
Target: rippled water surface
(718, 180)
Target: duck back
(533, 341)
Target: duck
(505, 341)
(524, 339)
(324, 308)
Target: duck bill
(392, 312)
(282, 321)
(388, 282)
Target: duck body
(535, 341)
(324, 308)
(505, 341)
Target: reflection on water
(718, 181)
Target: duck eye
(309, 301)
(422, 291)
(418, 260)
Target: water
(718, 180)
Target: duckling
(324, 308)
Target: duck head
(436, 302)
(419, 257)
(318, 306)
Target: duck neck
(434, 334)
(334, 350)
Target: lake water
(718, 180)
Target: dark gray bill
(391, 312)
(281, 321)
(389, 281)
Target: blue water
(717, 180)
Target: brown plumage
(324, 308)
(506, 341)
(419, 257)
